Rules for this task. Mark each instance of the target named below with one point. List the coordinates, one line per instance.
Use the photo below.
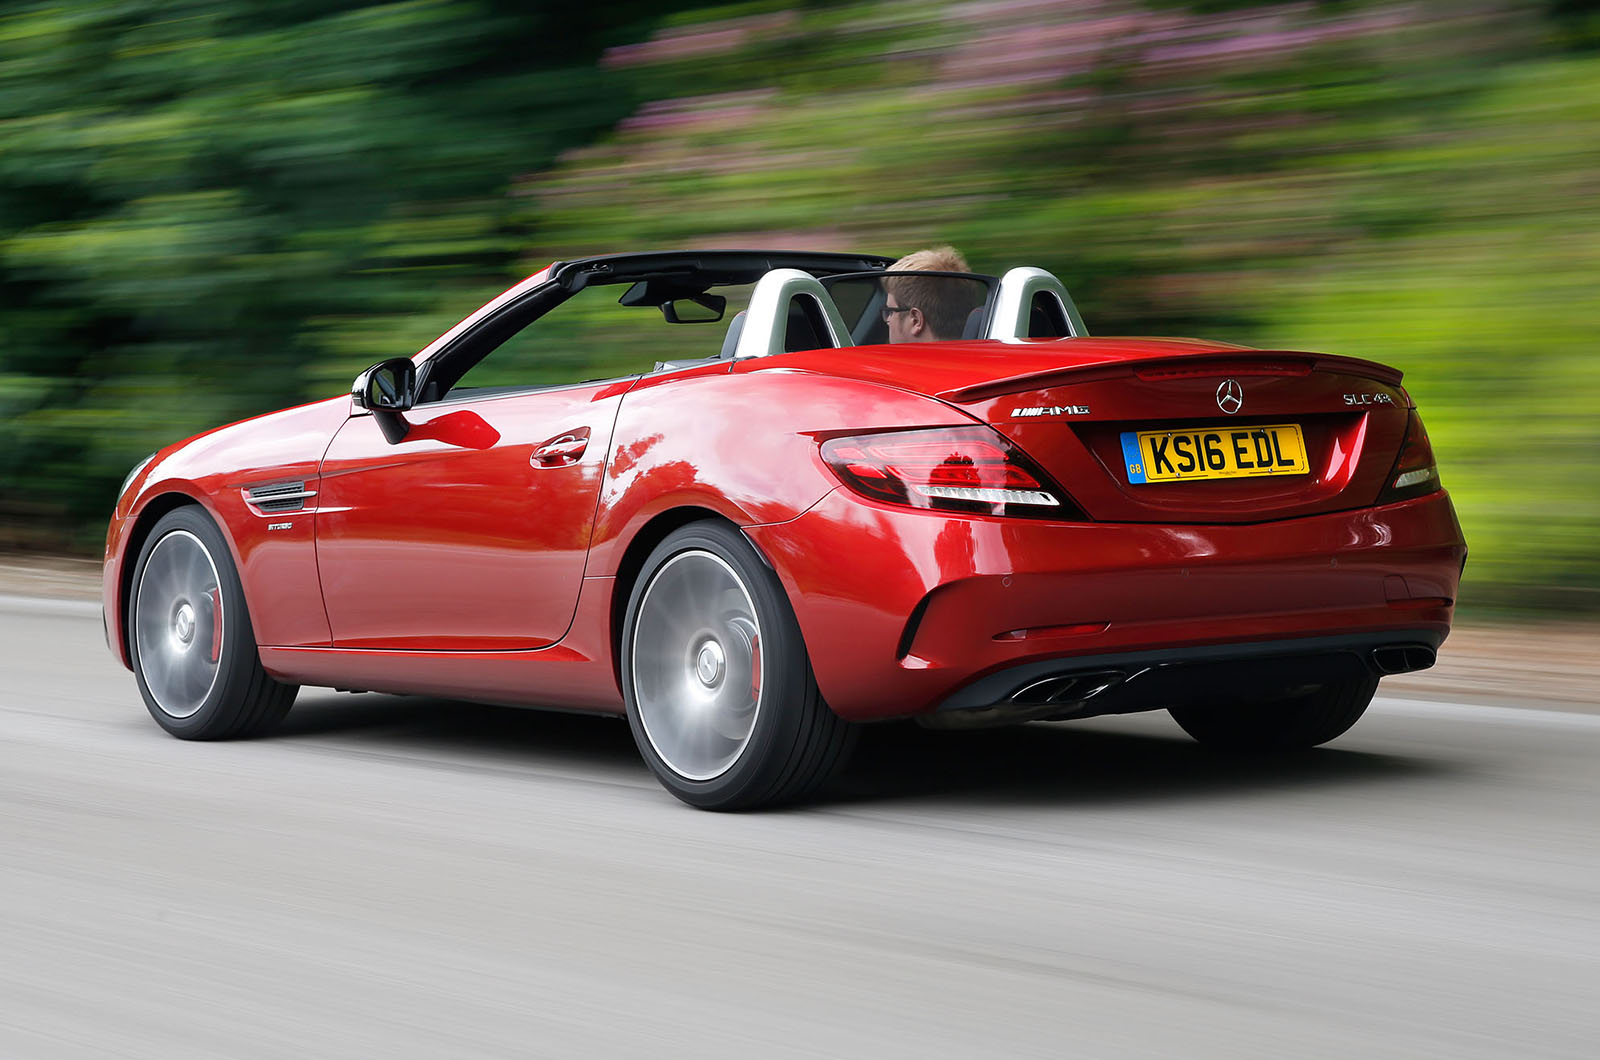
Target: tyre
(1286, 725)
(720, 694)
(189, 634)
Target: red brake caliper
(216, 623)
(755, 668)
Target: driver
(927, 309)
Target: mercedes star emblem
(1230, 396)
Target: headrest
(735, 329)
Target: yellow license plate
(1219, 452)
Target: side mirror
(387, 389)
(388, 385)
(696, 309)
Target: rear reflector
(1036, 632)
(962, 469)
(1421, 603)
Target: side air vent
(279, 497)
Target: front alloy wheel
(193, 649)
(178, 627)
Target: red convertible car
(754, 536)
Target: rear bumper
(906, 611)
(1223, 674)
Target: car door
(471, 532)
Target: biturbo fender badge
(1230, 396)
(1050, 410)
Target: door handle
(562, 451)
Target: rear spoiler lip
(1087, 373)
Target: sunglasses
(890, 310)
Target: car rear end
(1151, 526)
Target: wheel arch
(150, 513)
(773, 749)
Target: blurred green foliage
(210, 209)
(213, 209)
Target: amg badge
(1051, 410)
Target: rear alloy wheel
(720, 694)
(1285, 725)
(189, 634)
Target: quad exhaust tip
(1056, 696)
(1068, 689)
(1402, 658)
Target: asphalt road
(393, 877)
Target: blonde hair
(933, 259)
(938, 297)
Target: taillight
(957, 469)
(1415, 472)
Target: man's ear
(915, 325)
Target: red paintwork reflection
(577, 673)
(739, 443)
(426, 545)
(463, 429)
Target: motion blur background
(213, 209)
